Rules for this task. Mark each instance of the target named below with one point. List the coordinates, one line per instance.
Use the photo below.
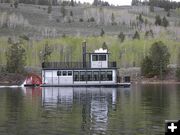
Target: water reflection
(140, 109)
(95, 99)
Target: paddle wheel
(33, 80)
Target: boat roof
(83, 69)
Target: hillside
(65, 34)
(36, 22)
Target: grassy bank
(128, 54)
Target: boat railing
(72, 65)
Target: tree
(146, 67)
(49, 9)
(72, 3)
(134, 2)
(71, 13)
(165, 22)
(149, 33)
(16, 58)
(104, 46)
(178, 66)
(158, 20)
(102, 33)
(16, 4)
(46, 53)
(178, 73)
(136, 35)
(112, 19)
(151, 8)
(168, 14)
(95, 3)
(63, 10)
(140, 18)
(121, 36)
(157, 61)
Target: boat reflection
(95, 103)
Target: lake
(139, 110)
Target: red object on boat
(33, 80)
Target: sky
(116, 2)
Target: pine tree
(16, 58)
(165, 22)
(157, 61)
(102, 33)
(16, 3)
(112, 19)
(46, 53)
(121, 36)
(49, 9)
(63, 10)
(72, 3)
(136, 35)
(71, 13)
(104, 46)
(158, 20)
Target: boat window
(69, 73)
(95, 76)
(82, 76)
(64, 73)
(89, 75)
(76, 75)
(102, 57)
(58, 73)
(109, 76)
(94, 57)
(103, 76)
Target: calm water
(139, 110)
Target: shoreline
(9, 79)
(156, 82)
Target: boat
(98, 71)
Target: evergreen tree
(140, 18)
(63, 10)
(104, 46)
(135, 2)
(71, 13)
(16, 3)
(112, 19)
(147, 67)
(158, 20)
(46, 53)
(168, 14)
(95, 3)
(49, 9)
(16, 58)
(151, 8)
(121, 36)
(178, 66)
(102, 33)
(72, 3)
(136, 35)
(157, 61)
(165, 22)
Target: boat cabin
(98, 71)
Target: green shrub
(178, 73)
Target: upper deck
(99, 59)
(74, 65)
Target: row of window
(64, 73)
(88, 75)
(92, 76)
(99, 57)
